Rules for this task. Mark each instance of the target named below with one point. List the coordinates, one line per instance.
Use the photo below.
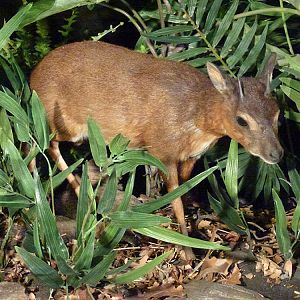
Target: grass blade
(131, 219)
(253, 54)
(40, 122)
(212, 15)
(225, 23)
(40, 269)
(141, 271)
(98, 272)
(242, 47)
(97, 143)
(178, 192)
(173, 237)
(282, 234)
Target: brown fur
(169, 108)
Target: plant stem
(286, 30)
(209, 45)
(267, 10)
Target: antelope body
(169, 108)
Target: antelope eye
(242, 122)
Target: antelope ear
(267, 72)
(217, 78)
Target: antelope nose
(276, 155)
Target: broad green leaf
(178, 192)
(282, 234)
(187, 54)
(201, 7)
(84, 261)
(40, 122)
(141, 157)
(173, 237)
(96, 274)
(48, 223)
(83, 205)
(20, 170)
(292, 94)
(14, 200)
(5, 130)
(292, 115)
(243, 47)
(201, 61)
(4, 180)
(33, 152)
(11, 75)
(118, 144)
(108, 199)
(60, 177)
(232, 37)
(128, 192)
(173, 39)
(40, 269)
(294, 176)
(212, 15)
(231, 173)
(253, 54)
(292, 83)
(45, 8)
(130, 219)
(170, 30)
(137, 273)
(228, 214)
(36, 239)
(225, 23)
(192, 4)
(97, 143)
(109, 240)
(9, 104)
(13, 24)
(296, 219)
(64, 267)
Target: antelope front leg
(172, 183)
(55, 154)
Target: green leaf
(231, 173)
(40, 122)
(228, 214)
(97, 143)
(9, 104)
(201, 61)
(173, 39)
(14, 200)
(178, 192)
(292, 115)
(212, 15)
(243, 47)
(5, 130)
(201, 8)
(107, 201)
(232, 37)
(36, 239)
(170, 30)
(13, 24)
(137, 273)
(60, 177)
(118, 144)
(83, 205)
(187, 54)
(128, 192)
(141, 157)
(225, 23)
(48, 223)
(282, 234)
(40, 269)
(253, 54)
(96, 274)
(173, 237)
(292, 94)
(295, 84)
(20, 170)
(294, 176)
(130, 219)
